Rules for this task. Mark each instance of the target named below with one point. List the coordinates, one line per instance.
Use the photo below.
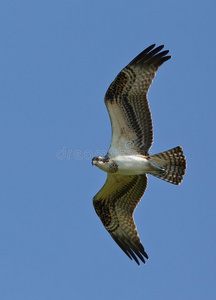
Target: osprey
(127, 161)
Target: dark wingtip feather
(142, 54)
(142, 250)
(151, 55)
(131, 250)
(134, 256)
(158, 49)
(148, 49)
(166, 58)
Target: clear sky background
(57, 59)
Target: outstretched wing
(127, 103)
(115, 204)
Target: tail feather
(169, 165)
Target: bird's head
(100, 162)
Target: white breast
(132, 165)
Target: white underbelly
(132, 165)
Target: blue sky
(57, 59)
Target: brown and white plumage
(115, 204)
(127, 103)
(128, 161)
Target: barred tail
(169, 165)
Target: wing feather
(115, 204)
(127, 103)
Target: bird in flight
(128, 161)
